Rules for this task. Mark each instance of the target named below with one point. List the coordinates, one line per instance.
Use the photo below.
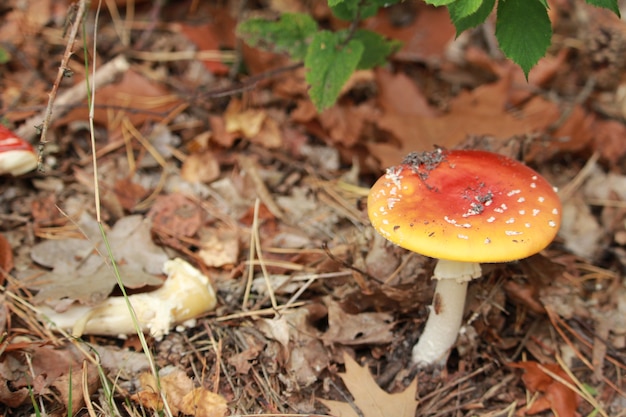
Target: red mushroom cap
(16, 155)
(463, 205)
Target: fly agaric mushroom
(462, 207)
(17, 156)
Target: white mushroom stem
(446, 312)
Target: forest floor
(211, 152)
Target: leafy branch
(523, 31)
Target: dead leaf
(556, 395)
(201, 402)
(357, 329)
(424, 31)
(48, 368)
(345, 124)
(175, 216)
(6, 258)
(205, 38)
(253, 124)
(129, 193)
(481, 111)
(200, 167)
(149, 99)
(180, 393)
(370, 399)
(80, 268)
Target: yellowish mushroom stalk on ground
(184, 295)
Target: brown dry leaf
(175, 216)
(200, 167)
(206, 38)
(182, 396)
(253, 124)
(482, 111)
(129, 193)
(201, 402)
(344, 124)
(80, 269)
(219, 247)
(424, 31)
(219, 133)
(556, 395)
(148, 99)
(371, 400)
(303, 354)
(48, 368)
(357, 329)
(609, 140)
(6, 258)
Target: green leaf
(607, 4)
(523, 31)
(290, 34)
(5, 56)
(463, 22)
(329, 66)
(349, 10)
(438, 3)
(376, 48)
(465, 8)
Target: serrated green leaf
(290, 34)
(329, 65)
(438, 3)
(462, 23)
(351, 10)
(465, 8)
(376, 48)
(523, 31)
(607, 4)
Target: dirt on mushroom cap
(464, 205)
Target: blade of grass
(91, 100)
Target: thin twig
(63, 71)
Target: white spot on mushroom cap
(521, 200)
(552, 223)
(513, 192)
(512, 233)
(533, 185)
(491, 219)
(460, 236)
(510, 221)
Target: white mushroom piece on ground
(464, 208)
(185, 295)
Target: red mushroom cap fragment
(463, 205)
(16, 155)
